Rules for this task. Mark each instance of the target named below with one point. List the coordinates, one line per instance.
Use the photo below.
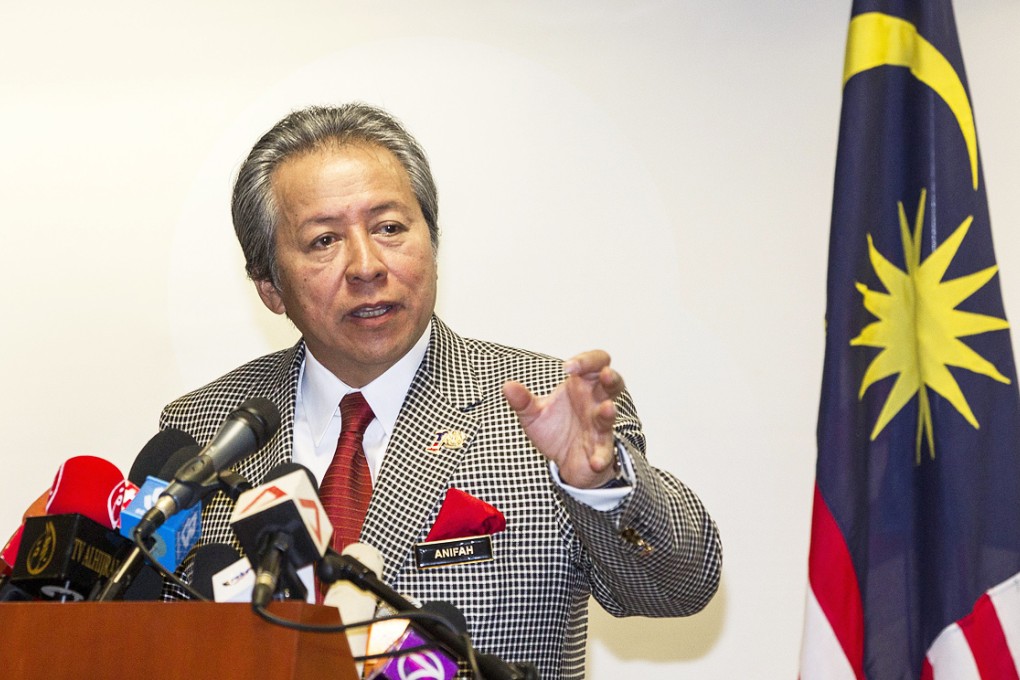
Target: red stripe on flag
(926, 671)
(987, 642)
(834, 583)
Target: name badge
(433, 554)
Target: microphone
(64, 552)
(63, 556)
(155, 456)
(89, 486)
(243, 433)
(236, 582)
(169, 546)
(134, 579)
(209, 560)
(165, 447)
(353, 602)
(426, 663)
(334, 567)
(9, 553)
(282, 526)
(173, 539)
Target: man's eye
(324, 241)
(390, 228)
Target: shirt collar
(321, 391)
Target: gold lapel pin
(448, 439)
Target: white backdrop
(653, 177)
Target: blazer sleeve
(659, 553)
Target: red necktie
(347, 486)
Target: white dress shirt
(317, 421)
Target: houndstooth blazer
(657, 555)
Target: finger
(604, 417)
(612, 382)
(587, 363)
(520, 398)
(602, 460)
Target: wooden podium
(172, 640)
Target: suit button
(634, 538)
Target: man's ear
(270, 295)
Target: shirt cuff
(603, 500)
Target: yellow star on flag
(919, 327)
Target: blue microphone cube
(177, 536)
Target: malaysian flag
(914, 568)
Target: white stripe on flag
(1006, 599)
(821, 657)
(950, 656)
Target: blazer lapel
(280, 387)
(412, 480)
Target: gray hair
(254, 208)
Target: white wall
(653, 177)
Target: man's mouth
(371, 312)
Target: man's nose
(365, 262)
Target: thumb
(521, 400)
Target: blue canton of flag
(915, 550)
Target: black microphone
(156, 453)
(282, 527)
(175, 462)
(209, 560)
(413, 655)
(245, 431)
(134, 579)
(334, 567)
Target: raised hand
(573, 425)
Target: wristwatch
(620, 480)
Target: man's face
(356, 266)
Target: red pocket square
(464, 515)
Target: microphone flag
(914, 565)
(175, 537)
(290, 504)
(433, 664)
(63, 556)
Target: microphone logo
(266, 497)
(115, 502)
(42, 551)
(150, 500)
(311, 509)
(189, 530)
(422, 666)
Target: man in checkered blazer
(335, 209)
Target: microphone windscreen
(284, 469)
(210, 559)
(88, 486)
(146, 586)
(263, 418)
(453, 617)
(356, 605)
(156, 452)
(9, 554)
(38, 506)
(367, 555)
(174, 462)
